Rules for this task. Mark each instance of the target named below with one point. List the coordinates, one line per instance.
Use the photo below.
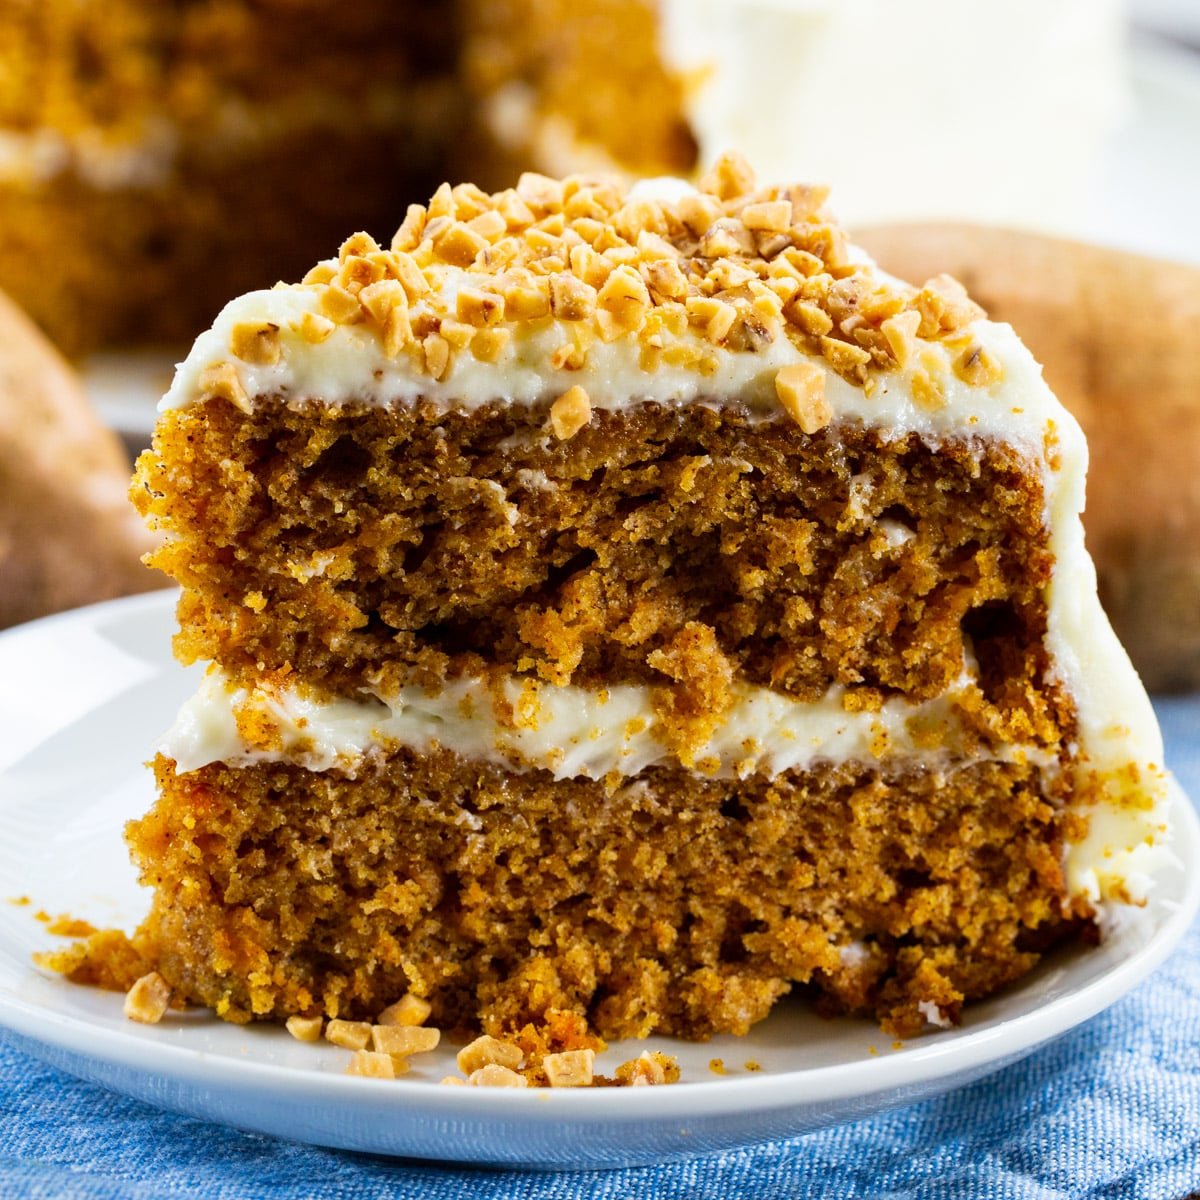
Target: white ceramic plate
(83, 697)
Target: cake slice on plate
(630, 602)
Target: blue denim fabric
(1110, 1112)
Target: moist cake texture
(630, 602)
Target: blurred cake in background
(209, 140)
(993, 110)
(230, 143)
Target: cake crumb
(148, 1000)
(486, 1051)
(717, 1066)
(64, 925)
(753, 1064)
(648, 1070)
(305, 1029)
(20, 901)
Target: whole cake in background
(231, 143)
(630, 602)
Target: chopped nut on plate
(494, 1075)
(404, 1039)
(350, 1035)
(408, 1010)
(148, 1000)
(489, 1051)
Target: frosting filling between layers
(569, 731)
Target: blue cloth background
(1110, 1111)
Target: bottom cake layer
(673, 904)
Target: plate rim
(768, 1092)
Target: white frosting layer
(351, 366)
(569, 731)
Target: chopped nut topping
(570, 1068)
(571, 299)
(222, 379)
(772, 215)
(437, 355)
(148, 1000)
(404, 1039)
(944, 307)
(494, 1075)
(255, 342)
(487, 1051)
(305, 1029)
(478, 307)
(570, 413)
(350, 1035)
(733, 265)
(340, 305)
(801, 391)
(731, 176)
(408, 1010)
(314, 328)
(624, 299)
(901, 333)
(977, 367)
(489, 344)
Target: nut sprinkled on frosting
(739, 265)
(801, 390)
(570, 413)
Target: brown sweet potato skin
(68, 533)
(1119, 337)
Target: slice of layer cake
(635, 603)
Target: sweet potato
(1119, 337)
(68, 534)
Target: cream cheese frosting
(572, 731)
